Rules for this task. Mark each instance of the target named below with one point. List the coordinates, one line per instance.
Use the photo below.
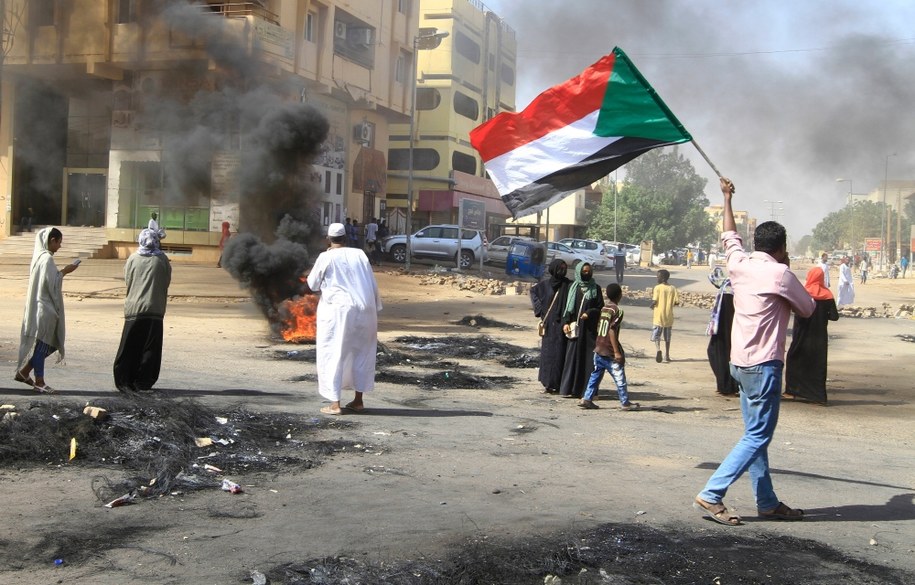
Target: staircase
(79, 242)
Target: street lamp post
(428, 38)
(883, 220)
(851, 211)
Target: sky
(785, 96)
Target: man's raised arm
(727, 191)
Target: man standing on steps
(765, 293)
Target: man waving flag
(574, 133)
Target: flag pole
(707, 159)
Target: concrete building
(467, 79)
(746, 225)
(113, 109)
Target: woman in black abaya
(583, 305)
(548, 298)
(805, 369)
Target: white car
(556, 250)
(594, 252)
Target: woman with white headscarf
(43, 325)
(147, 275)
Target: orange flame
(299, 319)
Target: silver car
(594, 252)
(498, 249)
(439, 242)
(556, 250)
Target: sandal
(329, 410)
(782, 512)
(44, 389)
(630, 406)
(588, 405)
(717, 512)
(353, 407)
(24, 379)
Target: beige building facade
(113, 109)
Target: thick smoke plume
(785, 97)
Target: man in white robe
(347, 322)
(824, 264)
(846, 294)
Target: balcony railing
(240, 10)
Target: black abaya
(719, 348)
(553, 342)
(579, 362)
(805, 369)
(139, 357)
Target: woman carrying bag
(548, 298)
(583, 305)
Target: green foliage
(847, 228)
(662, 199)
(800, 248)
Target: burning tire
(399, 253)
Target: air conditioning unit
(340, 30)
(364, 133)
(361, 36)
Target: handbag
(573, 326)
(541, 327)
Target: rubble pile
(687, 299)
(483, 286)
(885, 311)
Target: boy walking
(608, 353)
(663, 299)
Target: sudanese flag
(574, 133)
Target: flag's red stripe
(555, 108)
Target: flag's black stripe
(545, 191)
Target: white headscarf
(43, 318)
(149, 242)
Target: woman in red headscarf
(805, 370)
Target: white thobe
(825, 268)
(347, 321)
(846, 286)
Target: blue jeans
(601, 365)
(760, 394)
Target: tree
(661, 199)
(847, 228)
(800, 248)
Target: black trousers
(136, 367)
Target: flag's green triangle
(632, 108)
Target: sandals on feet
(630, 406)
(717, 512)
(331, 411)
(44, 389)
(588, 405)
(353, 407)
(24, 379)
(782, 512)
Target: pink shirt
(765, 293)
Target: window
(311, 20)
(41, 13)
(424, 159)
(449, 233)
(127, 11)
(508, 74)
(467, 47)
(466, 106)
(399, 67)
(403, 6)
(430, 232)
(464, 163)
(427, 98)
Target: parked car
(594, 252)
(497, 250)
(439, 242)
(633, 251)
(556, 250)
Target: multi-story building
(113, 109)
(464, 81)
(746, 225)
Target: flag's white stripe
(559, 149)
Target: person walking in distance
(663, 298)
(347, 319)
(765, 293)
(824, 265)
(619, 263)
